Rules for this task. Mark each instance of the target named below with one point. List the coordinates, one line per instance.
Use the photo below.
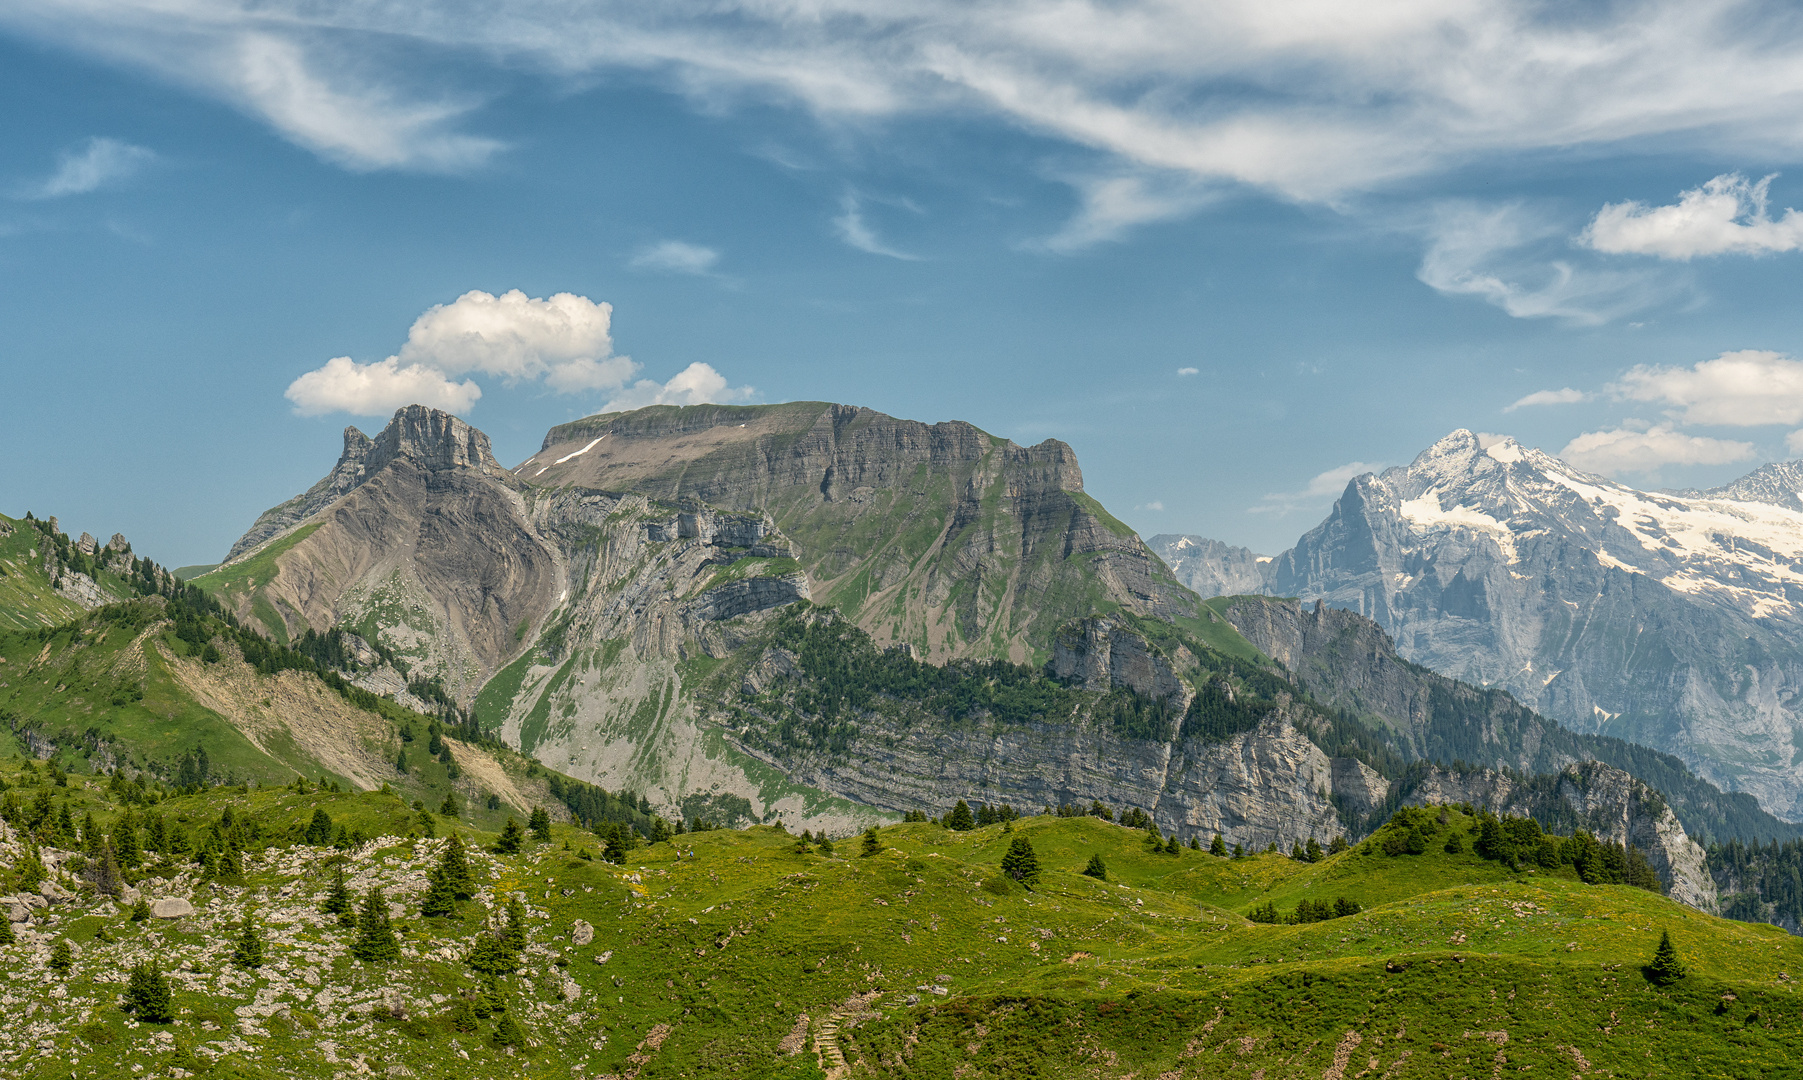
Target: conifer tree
(1218, 846)
(7, 937)
(508, 1032)
(140, 910)
(462, 1015)
(338, 899)
(450, 807)
(456, 869)
(29, 873)
(872, 844)
(1339, 844)
(125, 842)
(319, 830)
(375, 936)
(400, 762)
(1195, 843)
(1297, 853)
(1313, 852)
(247, 948)
(826, 844)
(147, 995)
(1239, 851)
(1096, 869)
(660, 830)
(65, 825)
(514, 931)
(961, 819)
(490, 956)
(541, 824)
(1666, 968)
(1172, 847)
(439, 901)
(1021, 863)
(512, 838)
(62, 957)
(104, 871)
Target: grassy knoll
(719, 953)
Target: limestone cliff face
(935, 535)
(1099, 655)
(347, 474)
(1611, 804)
(1213, 568)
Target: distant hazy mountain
(1667, 619)
(1213, 568)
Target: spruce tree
(319, 830)
(140, 910)
(1313, 852)
(1172, 847)
(615, 849)
(490, 956)
(462, 1015)
(1218, 846)
(375, 936)
(660, 830)
(7, 937)
(104, 871)
(29, 873)
(512, 838)
(1096, 868)
(514, 931)
(147, 995)
(961, 819)
(1666, 968)
(338, 899)
(1339, 844)
(872, 844)
(541, 824)
(440, 900)
(508, 1032)
(62, 957)
(247, 948)
(456, 869)
(450, 807)
(1021, 863)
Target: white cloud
(697, 384)
(1153, 505)
(1634, 450)
(1737, 389)
(1496, 253)
(563, 339)
(96, 164)
(676, 257)
(343, 385)
(1311, 100)
(1565, 396)
(1111, 206)
(1725, 216)
(1188, 371)
(852, 229)
(1324, 487)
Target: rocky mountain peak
(1779, 483)
(433, 440)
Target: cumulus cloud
(563, 339)
(1311, 100)
(676, 257)
(97, 163)
(1564, 396)
(1498, 253)
(343, 385)
(1645, 450)
(697, 384)
(1322, 488)
(1748, 388)
(1726, 216)
(562, 342)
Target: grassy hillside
(30, 559)
(734, 953)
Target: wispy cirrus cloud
(1310, 101)
(97, 163)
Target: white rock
(171, 907)
(581, 933)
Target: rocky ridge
(1213, 568)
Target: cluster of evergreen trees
(1515, 842)
(1760, 884)
(1306, 911)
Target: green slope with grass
(746, 954)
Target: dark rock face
(1213, 568)
(1668, 620)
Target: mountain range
(1670, 619)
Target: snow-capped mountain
(1213, 568)
(1674, 620)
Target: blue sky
(1231, 253)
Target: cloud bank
(562, 342)
(1625, 449)
(1725, 216)
(1310, 100)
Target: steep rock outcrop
(1213, 568)
(1611, 804)
(1099, 655)
(347, 474)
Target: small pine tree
(140, 910)
(514, 931)
(29, 873)
(1172, 847)
(147, 995)
(1021, 862)
(872, 844)
(450, 807)
(1454, 845)
(826, 845)
(62, 957)
(247, 949)
(1666, 968)
(660, 830)
(961, 819)
(375, 936)
(338, 897)
(512, 838)
(541, 825)
(1096, 868)
(1313, 852)
(7, 937)
(462, 1015)
(400, 762)
(1339, 844)
(456, 869)
(319, 830)
(490, 955)
(508, 1032)
(440, 900)
(1218, 846)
